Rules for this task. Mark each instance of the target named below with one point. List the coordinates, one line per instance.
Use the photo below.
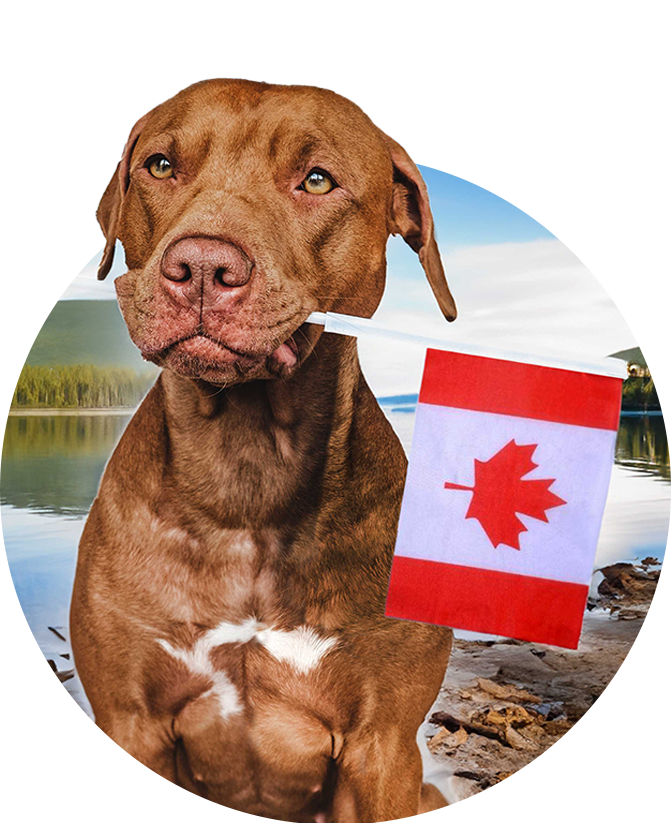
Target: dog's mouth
(203, 346)
(201, 355)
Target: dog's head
(242, 208)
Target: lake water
(51, 467)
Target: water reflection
(642, 444)
(41, 550)
(51, 467)
(54, 463)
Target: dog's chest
(255, 699)
(249, 681)
(221, 576)
(237, 662)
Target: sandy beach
(532, 733)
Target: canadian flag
(505, 492)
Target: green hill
(649, 353)
(85, 332)
(93, 332)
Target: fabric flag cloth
(504, 497)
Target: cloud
(23, 283)
(534, 297)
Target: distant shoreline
(120, 411)
(641, 413)
(74, 412)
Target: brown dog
(228, 612)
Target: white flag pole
(363, 327)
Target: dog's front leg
(133, 770)
(379, 777)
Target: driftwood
(453, 724)
(538, 735)
(57, 633)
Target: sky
(566, 254)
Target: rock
(503, 717)
(435, 742)
(567, 728)
(447, 741)
(550, 711)
(506, 691)
(624, 581)
(520, 741)
(562, 757)
(453, 724)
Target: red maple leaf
(500, 493)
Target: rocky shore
(533, 734)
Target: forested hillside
(79, 387)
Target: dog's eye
(318, 182)
(160, 167)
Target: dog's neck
(263, 453)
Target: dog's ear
(411, 218)
(109, 209)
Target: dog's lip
(287, 350)
(205, 336)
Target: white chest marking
(302, 648)
(237, 633)
(197, 660)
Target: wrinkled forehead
(285, 125)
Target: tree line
(652, 389)
(79, 387)
(85, 387)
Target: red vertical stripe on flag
(465, 381)
(513, 605)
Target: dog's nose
(196, 268)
